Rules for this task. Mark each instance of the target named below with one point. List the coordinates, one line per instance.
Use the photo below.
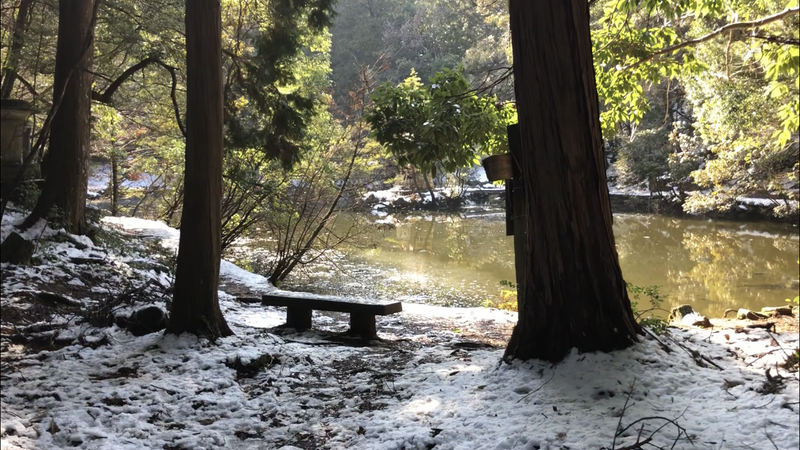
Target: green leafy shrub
(656, 324)
(506, 299)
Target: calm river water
(460, 260)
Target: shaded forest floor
(73, 377)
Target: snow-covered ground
(100, 177)
(428, 384)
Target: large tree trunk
(573, 295)
(195, 306)
(16, 48)
(65, 165)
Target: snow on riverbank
(424, 386)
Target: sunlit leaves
(628, 33)
(441, 127)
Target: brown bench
(362, 312)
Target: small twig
(537, 389)
(778, 342)
(39, 238)
(638, 445)
(624, 408)
(766, 404)
(770, 438)
(765, 354)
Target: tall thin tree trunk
(12, 60)
(416, 184)
(574, 295)
(65, 166)
(430, 189)
(114, 184)
(195, 306)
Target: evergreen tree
(195, 306)
(573, 294)
(65, 166)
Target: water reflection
(461, 259)
(713, 265)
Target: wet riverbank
(622, 201)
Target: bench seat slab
(331, 303)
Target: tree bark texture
(20, 23)
(574, 295)
(65, 166)
(195, 306)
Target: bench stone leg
(363, 325)
(298, 318)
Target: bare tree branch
(106, 96)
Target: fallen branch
(698, 357)
(765, 354)
(661, 344)
(639, 443)
(49, 297)
(777, 342)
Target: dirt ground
(783, 324)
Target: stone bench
(362, 312)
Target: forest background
(699, 103)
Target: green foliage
(390, 37)
(736, 124)
(732, 99)
(438, 128)
(276, 76)
(645, 159)
(27, 195)
(794, 301)
(507, 298)
(656, 324)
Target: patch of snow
(164, 391)
(99, 178)
(387, 219)
(765, 202)
(386, 195)
(254, 282)
(148, 228)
